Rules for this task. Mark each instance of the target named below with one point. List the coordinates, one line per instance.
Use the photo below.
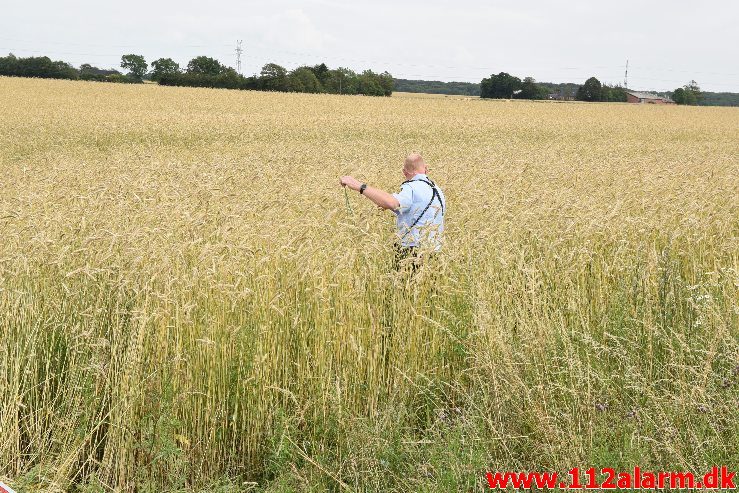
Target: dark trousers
(406, 257)
(411, 258)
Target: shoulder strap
(435, 191)
(435, 195)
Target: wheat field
(188, 304)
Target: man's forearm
(381, 198)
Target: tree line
(564, 90)
(719, 99)
(208, 72)
(437, 87)
(506, 86)
(42, 67)
(204, 71)
(593, 91)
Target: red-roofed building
(646, 97)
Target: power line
(523, 69)
(58, 52)
(97, 45)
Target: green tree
(387, 83)
(436, 87)
(501, 86)
(341, 81)
(679, 96)
(42, 67)
(135, 64)
(321, 72)
(695, 92)
(228, 79)
(615, 94)
(590, 91)
(162, 67)
(531, 90)
(204, 65)
(689, 94)
(273, 77)
(90, 72)
(9, 65)
(303, 79)
(605, 93)
(370, 84)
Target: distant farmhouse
(561, 96)
(646, 97)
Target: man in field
(419, 208)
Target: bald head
(414, 164)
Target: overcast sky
(666, 42)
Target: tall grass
(187, 304)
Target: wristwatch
(362, 188)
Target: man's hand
(382, 199)
(351, 182)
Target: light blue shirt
(413, 197)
